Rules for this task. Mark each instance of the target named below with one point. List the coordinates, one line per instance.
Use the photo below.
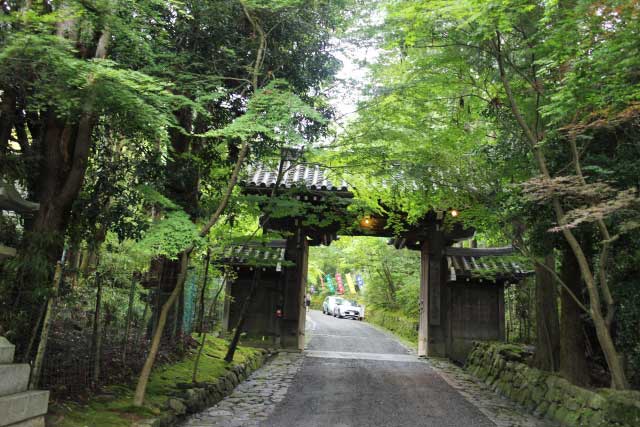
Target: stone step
(15, 378)
(22, 407)
(32, 422)
(7, 351)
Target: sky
(353, 77)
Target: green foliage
(154, 197)
(136, 103)
(392, 280)
(170, 236)
(423, 138)
(401, 324)
(464, 93)
(162, 93)
(391, 276)
(175, 98)
(123, 256)
(408, 297)
(273, 5)
(274, 113)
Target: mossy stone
(572, 404)
(571, 418)
(151, 422)
(551, 411)
(530, 405)
(597, 419)
(541, 409)
(521, 395)
(583, 395)
(176, 405)
(537, 395)
(621, 410)
(597, 401)
(561, 413)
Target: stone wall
(503, 367)
(190, 398)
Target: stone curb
(189, 398)
(503, 368)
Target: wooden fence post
(97, 333)
(127, 329)
(46, 325)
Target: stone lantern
(10, 200)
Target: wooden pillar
(432, 334)
(227, 306)
(501, 333)
(295, 277)
(303, 270)
(423, 331)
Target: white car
(330, 303)
(340, 307)
(349, 308)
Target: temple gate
(461, 289)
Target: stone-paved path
(253, 400)
(353, 374)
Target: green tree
(461, 82)
(60, 90)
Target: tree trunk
(64, 155)
(196, 363)
(74, 264)
(573, 352)
(601, 321)
(178, 309)
(141, 387)
(508, 314)
(547, 324)
(86, 260)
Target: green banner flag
(329, 280)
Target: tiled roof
(252, 254)
(313, 177)
(483, 263)
(6, 252)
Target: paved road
(352, 375)
(356, 375)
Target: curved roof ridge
(311, 175)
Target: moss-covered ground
(113, 407)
